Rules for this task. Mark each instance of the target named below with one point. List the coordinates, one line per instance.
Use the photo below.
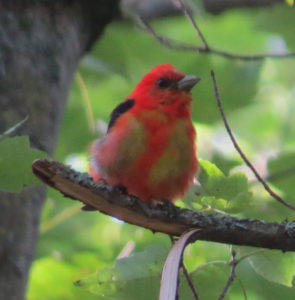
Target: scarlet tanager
(149, 147)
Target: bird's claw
(165, 205)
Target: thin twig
(14, 129)
(165, 41)
(242, 287)
(189, 281)
(239, 150)
(205, 48)
(190, 17)
(186, 274)
(59, 218)
(255, 252)
(232, 276)
(86, 100)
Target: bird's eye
(164, 83)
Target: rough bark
(41, 43)
(165, 218)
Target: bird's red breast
(150, 144)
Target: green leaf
(216, 188)
(237, 84)
(274, 266)
(225, 164)
(279, 21)
(282, 172)
(259, 288)
(130, 278)
(16, 157)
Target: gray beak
(187, 82)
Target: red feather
(150, 147)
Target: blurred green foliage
(16, 158)
(258, 99)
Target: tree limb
(168, 218)
(205, 47)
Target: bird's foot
(122, 189)
(166, 205)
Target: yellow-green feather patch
(130, 147)
(176, 158)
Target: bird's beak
(187, 82)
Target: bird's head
(165, 88)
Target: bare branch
(167, 42)
(168, 218)
(190, 17)
(189, 281)
(232, 276)
(13, 130)
(205, 48)
(239, 150)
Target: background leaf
(222, 192)
(131, 277)
(273, 265)
(16, 157)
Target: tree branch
(190, 17)
(241, 153)
(189, 281)
(232, 276)
(205, 47)
(168, 218)
(186, 274)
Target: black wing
(120, 110)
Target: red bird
(149, 147)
